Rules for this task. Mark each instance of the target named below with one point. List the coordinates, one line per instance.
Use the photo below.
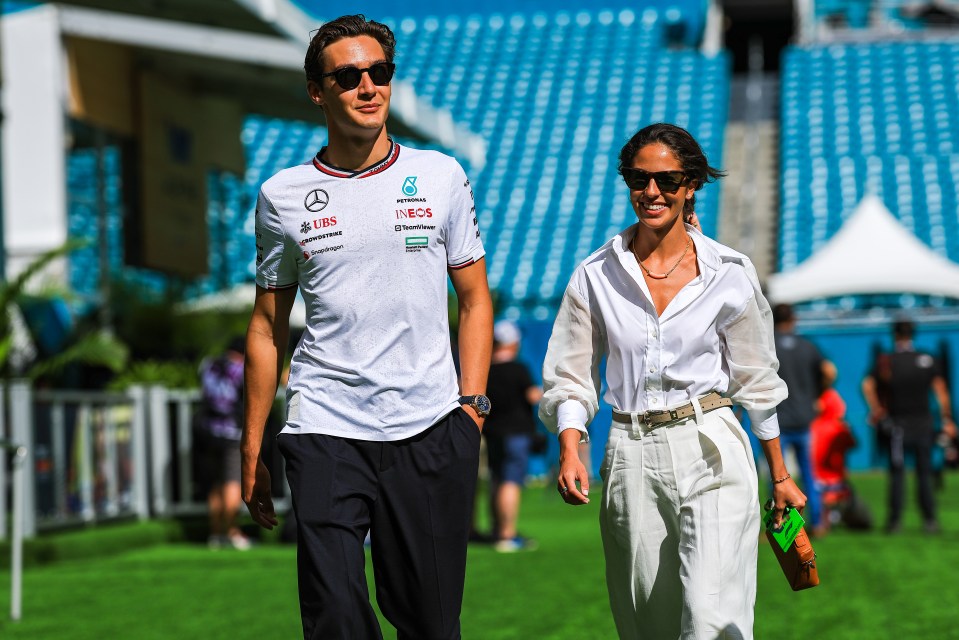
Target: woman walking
(686, 332)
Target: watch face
(482, 404)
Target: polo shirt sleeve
(463, 243)
(276, 266)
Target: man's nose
(366, 86)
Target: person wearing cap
(509, 434)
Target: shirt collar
(337, 172)
(706, 252)
(904, 346)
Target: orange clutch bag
(798, 562)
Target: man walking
(897, 392)
(806, 374)
(378, 437)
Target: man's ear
(315, 92)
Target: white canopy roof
(871, 253)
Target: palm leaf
(11, 290)
(98, 349)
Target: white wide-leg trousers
(680, 527)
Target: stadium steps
(748, 220)
(750, 195)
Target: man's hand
(876, 415)
(948, 427)
(257, 495)
(471, 412)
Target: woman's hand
(571, 470)
(786, 494)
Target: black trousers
(415, 497)
(911, 437)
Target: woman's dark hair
(684, 147)
(345, 27)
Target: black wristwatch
(481, 404)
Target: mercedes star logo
(316, 200)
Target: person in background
(806, 373)
(509, 433)
(897, 391)
(221, 414)
(830, 439)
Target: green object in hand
(791, 524)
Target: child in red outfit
(831, 439)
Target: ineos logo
(316, 200)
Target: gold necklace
(663, 276)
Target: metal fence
(88, 454)
(100, 456)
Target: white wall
(34, 170)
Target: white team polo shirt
(370, 252)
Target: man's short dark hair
(903, 329)
(783, 313)
(345, 27)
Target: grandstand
(568, 91)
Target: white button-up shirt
(715, 335)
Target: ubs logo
(409, 186)
(317, 200)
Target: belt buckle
(655, 414)
(672, 413)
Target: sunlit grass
(874, 586)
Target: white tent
(872, 253)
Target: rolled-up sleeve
(571, 368)
(750, 353)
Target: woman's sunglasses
(350, 77)
(667, 181)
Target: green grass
(874, 586)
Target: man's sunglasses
(667, 181)
(350, 77)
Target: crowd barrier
(94, 456)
